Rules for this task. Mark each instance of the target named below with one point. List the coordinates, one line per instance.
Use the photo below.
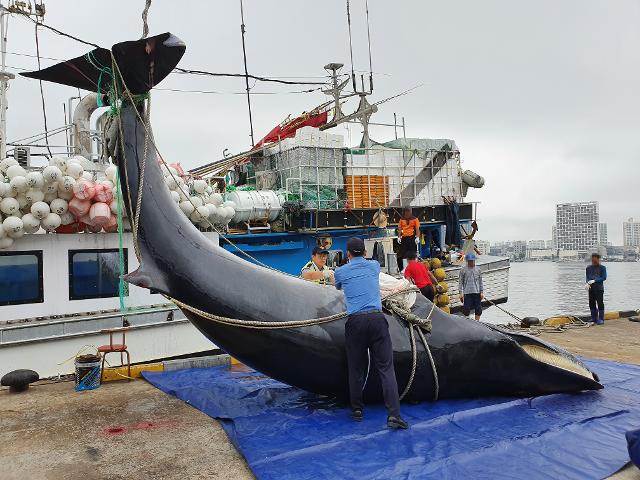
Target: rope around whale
(411, 319)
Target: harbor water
(545, 289)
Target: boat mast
(4, 80)
(246, 72)
(21, 8)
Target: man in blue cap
(367, 339)
(470, 287)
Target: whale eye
(555, 359)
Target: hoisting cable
(44, 105)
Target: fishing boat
(301, 186)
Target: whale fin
(146, 278)
(143, 63)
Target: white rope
(145, 14)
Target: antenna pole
(246, 72)
(366, 3)
(353, 75)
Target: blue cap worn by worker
(470, 257)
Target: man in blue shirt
(367, 332)
(596, 275)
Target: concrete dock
(131, 430)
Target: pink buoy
(94, 228)
(84, 190)
(78, 207)
(100, 214)
(178, 167)
(112, 226)
(103, 194)
(85, 219)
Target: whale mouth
(556, 359)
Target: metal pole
(246, 72)
(395, 125)
(4, 84)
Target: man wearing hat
(367, 339)
(470, 287)
(316, 270)
(596, 275)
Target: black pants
(408, 244)
(370, 332)
(428, 292)
(596, 303)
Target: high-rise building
(536, 245)
(577, 226)
(483, 246)
(554, 237)
(602, 234)
(631, 233)
(519, 249)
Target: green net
(122, 286)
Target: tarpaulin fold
(286, 433)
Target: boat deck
(132, 430)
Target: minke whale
(471, 359)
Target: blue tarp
(286, 433)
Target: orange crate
(367, 191)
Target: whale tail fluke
(142, 63)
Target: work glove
(399, 240)
(417, 241)
(591, 282)
(587, 286)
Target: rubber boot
(600, 320)
(594, 315)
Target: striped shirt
(470, 280)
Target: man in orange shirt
(408, 234)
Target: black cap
(319, 250)
(355, 245)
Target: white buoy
(16, 171)
(30, 224)
(213, 213)
(60, 162)
(203, 212)
(67, 218)
(216, 199)
(51, 222)
(197, 201)
(40, 210)
(88, 176)
(199, 186)
(6, 163)
(50, 188)
(59, 206)
(187, 207)
(65, 195)
(110, 172)
(51, 174)
(19, 183)
(35, 180)
(175, 196)
(5, 190)
(66, 184)
(13, 226)
(3, 233)
(34, 195)
(50, 197)
(229, 203)
(23, 202)
(74, 169)
(171, 182)
(9, 206)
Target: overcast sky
(541, 97)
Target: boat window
(21, 277)
(95, 273)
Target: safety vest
(314, 268)
(409, 228)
